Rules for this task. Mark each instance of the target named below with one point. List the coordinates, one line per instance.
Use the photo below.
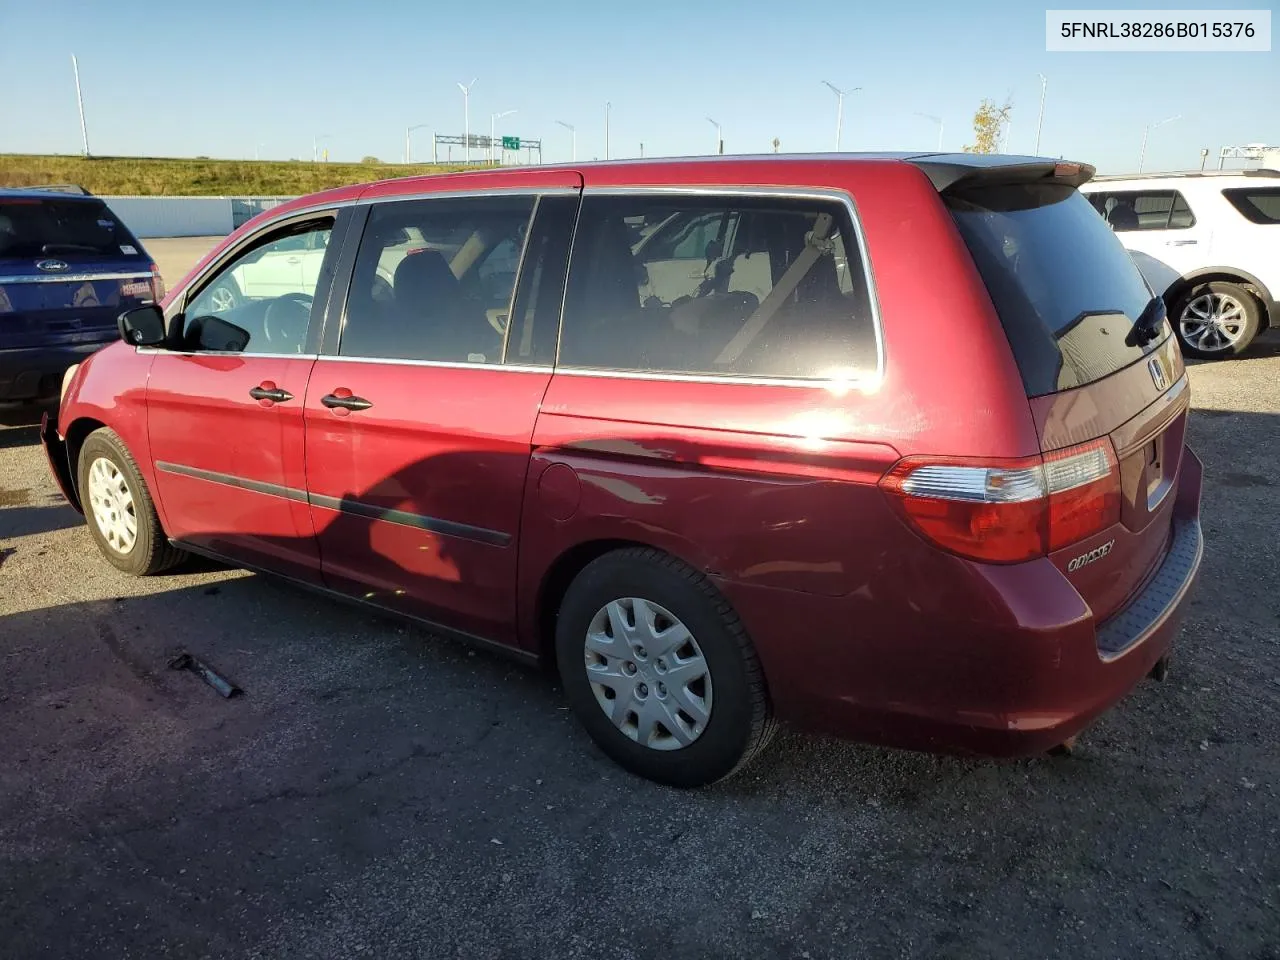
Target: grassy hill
(160, 176)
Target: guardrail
(188, 216)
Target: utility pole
(839, 106)
(607, 107)
(1044, 87)
(84, 131)
(466, 115)
(719, 135)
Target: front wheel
(1216, 319)
(122, 519)
(660, 670)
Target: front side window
(1259, 205)
(260, 301)
(1127, 211)
(707, 285)
(433, 279)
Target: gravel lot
(379, 792)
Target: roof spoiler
(60, 188)
(955, 171)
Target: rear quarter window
(1065, 289)
(1256, 204)
(68, 229)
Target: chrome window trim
(448, 364)
(863, 381)
(154, 351)
(72, 277)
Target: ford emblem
(51, 266)
(1157, 373)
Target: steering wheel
(284, 324)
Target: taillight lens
(157, 283)
(1007, 511)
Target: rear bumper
(33, 375)
(1033, 674)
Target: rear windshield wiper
(69, 248)
(1149, 323)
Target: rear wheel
(122, 518)
(659, 669)
(1216, 319)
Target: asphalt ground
(380, 792)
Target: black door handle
(347, 403)
(274, 394)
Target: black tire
(740, 723)
(151, 551)
(1250, 308)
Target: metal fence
(188, 216)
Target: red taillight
(157, 283)
(1006, 511)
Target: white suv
(1209, 243)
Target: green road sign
(510, 143)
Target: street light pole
(84, 131)
(719, 135)
(574, 137)
(466, 115)
(1044, 87)
(607, 107)
(493, 121)
(839, 106)
(938, 121)
(315, 138)
(1142, 154)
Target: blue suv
(68, 268)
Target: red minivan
(888, 446)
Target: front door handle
(333, 401)
(270, 392)
(1181, 243)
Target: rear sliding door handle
(333, 401)
(274, 394)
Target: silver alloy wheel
(222, 298)
(111, 501)
(648, 673)
(1212, 322)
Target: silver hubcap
(1212, 321)
(648, 673)
(222, 299)
(112, 503)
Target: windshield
(1067, 293)
(36, 227)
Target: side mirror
(142, 326)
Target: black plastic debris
(185, 661)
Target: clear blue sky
(221, 79)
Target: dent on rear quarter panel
(111, 388)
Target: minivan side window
(260, 301)
(1260, 205)
(433, 279)
(777, 288)
(1127, 211)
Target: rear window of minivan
(1066, 290)
(69, 229)
(1260, 205)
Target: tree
(370, 160)
(988, 123)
